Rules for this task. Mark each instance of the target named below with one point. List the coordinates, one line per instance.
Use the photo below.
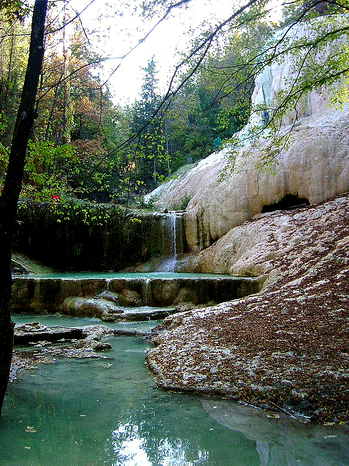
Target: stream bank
(286, 346)
(107, 410)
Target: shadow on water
(110, 412)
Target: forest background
(86, 146)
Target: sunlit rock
(313, 168)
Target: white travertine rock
(314, 167)
(277, 76)
(255, 247)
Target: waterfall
(171, 226)
(173, 238)
(147, 293)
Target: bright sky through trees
(117, 31)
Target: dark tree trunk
(321, 7)
(13, 183)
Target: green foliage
(65, 210)
(183, 204)
(4, 155)
(316, 58)
(74, 139)
(78, 124)
(13, 61)
(307, 10)
(216, 102)
(14, 9)
(47, 170)
(78, 146)
(146, 160)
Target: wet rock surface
(35, 343)
(34, 332)
(106, 297)
(94, 307)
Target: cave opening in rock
(288, 202)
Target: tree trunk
(13, 183)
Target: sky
(124, 32)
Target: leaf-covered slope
(286, 346)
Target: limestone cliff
(315, 167)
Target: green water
(66, 321)
(113, 275)
(110, 412)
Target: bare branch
(77, 15)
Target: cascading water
(146, 291)
(173, 236)
(171, 219)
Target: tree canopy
(86, 145)
(71, 140)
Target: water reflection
(109, 412)
(131, 449)
(282, 440)
(128, 446)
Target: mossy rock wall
(115, 241)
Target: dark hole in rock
(288, 202)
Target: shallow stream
(93, 412)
